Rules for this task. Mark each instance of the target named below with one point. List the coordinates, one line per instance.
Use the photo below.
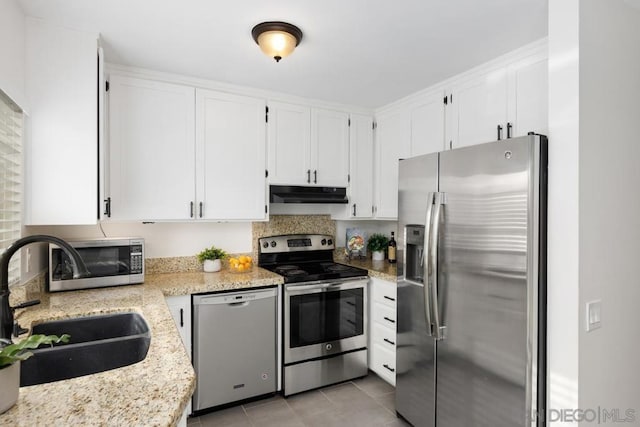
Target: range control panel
(296, 243)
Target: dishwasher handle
(241, 298)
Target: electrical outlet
(594, 315)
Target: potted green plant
(210, 259)
(10, 357)
(377, 244)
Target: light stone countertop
(380, 269)
(152, 392)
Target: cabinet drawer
(384, 315)
(383, 336)
(384, 292)
(383, 362)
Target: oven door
(323, 319)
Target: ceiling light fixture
(277, 39)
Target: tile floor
(366, 402)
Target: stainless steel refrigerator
(472, 286)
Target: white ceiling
(359, 52)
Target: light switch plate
(594, 315)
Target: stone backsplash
(292, 224)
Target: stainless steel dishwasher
(234, 347)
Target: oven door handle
(321, 286)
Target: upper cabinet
(361, 167)
(180, 153)
(501, 103)
(329, 162)
(392, 142)
(152, 150)
(427, 117)
(307, 146)
(62, 80)
(478, 109)
(231, 156)
(289, 140)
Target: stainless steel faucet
(6, 311)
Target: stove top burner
(310, 262)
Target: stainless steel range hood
(298, 194)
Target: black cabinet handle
(499, 132)
(181, 317)
(387, 366)
(315, 177)
(191, 210)
(308, 176)
(354, 209)
(509, 129)
(201, 209)
(107, 207)
(390, 320)
(389, 298)
(389, 341)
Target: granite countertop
(380, 269)
(153, 392)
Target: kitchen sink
(97, 344)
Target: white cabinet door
(361, 167)
(289, 137)
(529, 96)
(180, 308)
(329, 148)
(61, 143)
(152, 149)
(392, 144)
(230, 153)
(427, 125)
(382, 328)
(479, 107)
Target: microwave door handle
(438, 329)
(425, 265)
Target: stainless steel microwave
(110, 261)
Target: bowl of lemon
(241, 264)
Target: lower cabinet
(382, 329)
(180, 308)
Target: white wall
(164, 239)
(12, 51)
(562, 234)
(609, 364)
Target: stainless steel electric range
(324, 311)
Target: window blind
(10, 180)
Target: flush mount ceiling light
(277, 39)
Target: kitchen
(568, 342)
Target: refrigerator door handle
(425, 263)
(438, 331)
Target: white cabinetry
(391, 144)
(180, 153)
(478, 109)
(289, 140)
(382, 329)
(307, 146)
(361, 166)
(329, 148)
(502, 103)
(230, 156)
(180, 308)
(62, 81)
(152, 149)
(427, 124)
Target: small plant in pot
(210, 259)
(10, 357)
(377, 244)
